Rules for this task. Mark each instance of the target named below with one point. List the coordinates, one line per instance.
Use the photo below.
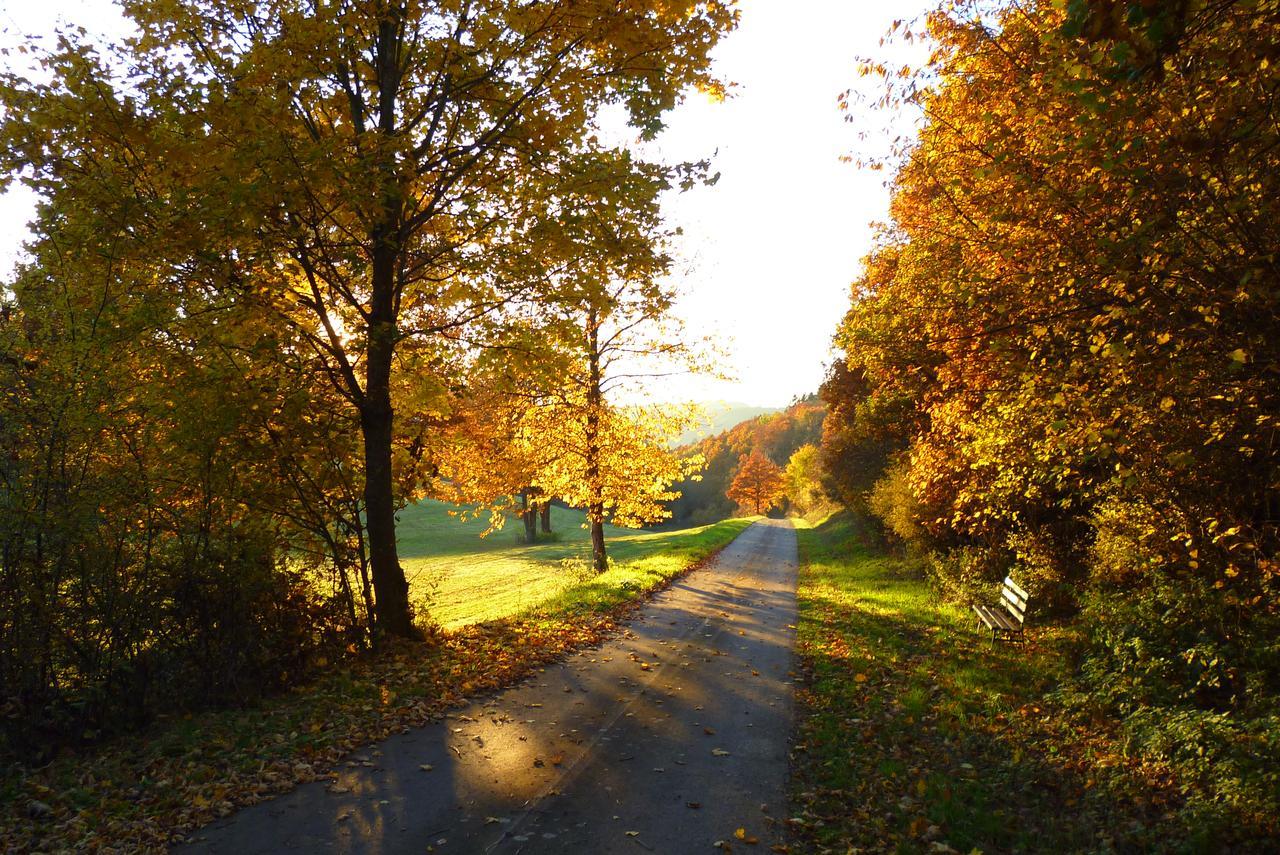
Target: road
(668, 738)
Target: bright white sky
(768, 253)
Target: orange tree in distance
(757, 484)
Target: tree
(375, 171)
(757, 484)
(1070, 326)
(614, 461)
(803, 477)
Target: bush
(1047, 567)
(967, 574)
(894, 503)
(1192, 685)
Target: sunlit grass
(916, 730)
(458, 577)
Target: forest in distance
(322, 406)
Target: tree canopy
(1061, 358)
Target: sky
(767, 254)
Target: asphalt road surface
(668, 738)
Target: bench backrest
(1014, 599)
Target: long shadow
(946, 731)
(629, 736)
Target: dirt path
(668, 738)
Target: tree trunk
(595, 488)
(391, 590)
(599, 558)
(529, 516)
(545, 513)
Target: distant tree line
(775, 436)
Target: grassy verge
(141, 793)
(458, 577)
(917, 735)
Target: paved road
(666, 739)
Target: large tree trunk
(545, 513)
(391, 589)
(595, 507)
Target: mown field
(918, 735)
(458, 575)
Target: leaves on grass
(145, 794)
(938, 742)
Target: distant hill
(722, 415)
(775, 433)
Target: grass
(918, 735)
(458, 576)
(143, 792)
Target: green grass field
(915, 730)
(458, 577)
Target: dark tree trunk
(595, 486)
(393, 615)
(599, 558)
(545, 513)
(391, 590)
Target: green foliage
(860, 435)
(135, 574)
(896, 506)
(803, 477)
(967, 574)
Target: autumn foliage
(757, 484)
(775, 435)
(1061, 360)
(286, 258)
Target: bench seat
(1006, 620)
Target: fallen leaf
(426, 767)
(719, 752)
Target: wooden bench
(1007, 622)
